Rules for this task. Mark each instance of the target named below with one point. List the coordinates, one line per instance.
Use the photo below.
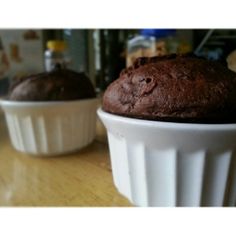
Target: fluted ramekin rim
(165, 124)
(9, 103)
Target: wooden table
(80, 179)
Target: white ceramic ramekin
(172, 164)
(50, 128)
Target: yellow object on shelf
(56, 45)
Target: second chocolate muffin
(178, 88)
(57, 85)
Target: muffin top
(57, 85)
(177, 88)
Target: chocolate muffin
(58, 85)
(177, 88)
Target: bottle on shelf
(154, 42)
(56, 55)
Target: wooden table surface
(80, 179)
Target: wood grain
(80, 179)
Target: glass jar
(56, 55)
(140, 46)
(151, 42)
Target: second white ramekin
(50, 128)
(172, 164)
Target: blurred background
(103, 53)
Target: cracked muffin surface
(178, 88)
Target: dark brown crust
(58, 85)
(181, 88)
